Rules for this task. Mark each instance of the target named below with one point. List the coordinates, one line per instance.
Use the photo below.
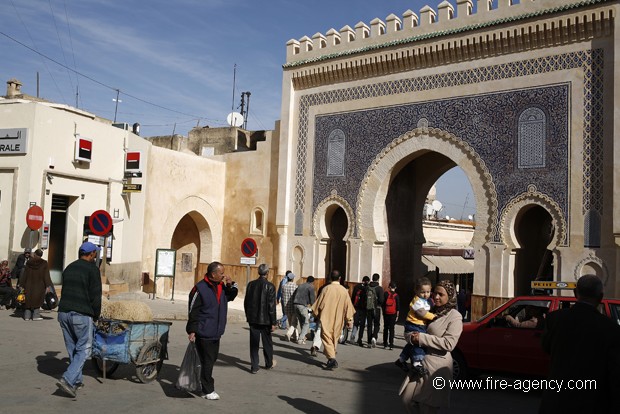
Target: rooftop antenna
(247, 110)
(463, 212)
(117, 101)
(232, 108)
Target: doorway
(534, 231)
(337, 225)
(57, 237)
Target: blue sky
(173, 60)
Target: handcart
(145, 344)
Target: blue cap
(88, 247)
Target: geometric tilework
(489, 128)
(590, 61)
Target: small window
(258, 222)
(532, 138)
(336, 146)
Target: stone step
(112, 289)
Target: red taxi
(490, 344)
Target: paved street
(33, 357)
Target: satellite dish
(437, 206)
(447, 217)
(470, 217)
(234, 119)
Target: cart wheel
(109, 365)
(150, 352)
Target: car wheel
(459, 366)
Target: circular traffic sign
(100, 222)
(249, 247)
(34, 217)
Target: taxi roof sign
(553, 285)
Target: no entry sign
(248, 247)
(34, 217)
(100, 223)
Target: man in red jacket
(208, 309)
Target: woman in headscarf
(425, 395)
(37, 282)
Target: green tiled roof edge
(444, 33)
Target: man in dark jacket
(20, 264)
(376, 315)
(79, 305)
(260, 311)
(208, 309)
(585, 355)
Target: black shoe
(360, 344)
(391, 348)
(332, 364)
(402, 365)
(313, 351)
(63, 385)
(254, 370)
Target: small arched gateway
(512, 95)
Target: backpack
(390, 304)
(358, 299)
(371, 298)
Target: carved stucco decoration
(318, 221)
(376, 181)
(532, 196)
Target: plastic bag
(189, 373)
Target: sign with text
(132, 188)
(83, 149)
(248, 261)
(553, 285)
(13, 141)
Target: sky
(172, 63)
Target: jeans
(415, 352)
(283, 318)
(77, 330)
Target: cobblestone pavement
(33, 357)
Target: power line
(96, 81)
(62, 50)
(77, 79)
(33, 42)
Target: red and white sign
(83, 149)
(132, 161)
(34, 217)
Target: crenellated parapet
(428, 24)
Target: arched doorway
(186, 241)
(337, 225)
(411, 181)
(534, 231)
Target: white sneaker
(213, 396)
(373, 343)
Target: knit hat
(291, 276)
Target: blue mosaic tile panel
(488, 123)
